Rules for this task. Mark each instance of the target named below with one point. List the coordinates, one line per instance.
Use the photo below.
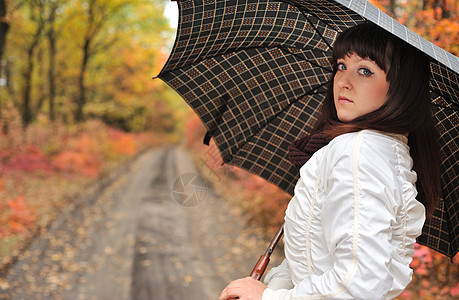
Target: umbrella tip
(154, 77)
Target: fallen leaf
(187, 280)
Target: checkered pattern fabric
(256, 71)
(441, 232)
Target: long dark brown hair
(407, 110)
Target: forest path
(158, 231)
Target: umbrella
(255, 72)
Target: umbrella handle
(260, 267)
(263, 261)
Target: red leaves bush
(20, 218)
(82, 156)
(435, 276)
(85, 152)
(16, 217)
(27, 158)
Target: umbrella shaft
(263, 261)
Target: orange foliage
(442, 32)
(88, 152)
(83, 152)
(19, 217)
(438, 22)
(82, 156)
(123, 143)
(77, 162)
(194, 131)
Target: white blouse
(350, 229)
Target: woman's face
(359, 87)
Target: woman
(350, 229)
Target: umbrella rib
(315, 29)
(229, 158)
(302, 58)
(221, 110)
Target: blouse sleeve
(279, 277)
(356, 216)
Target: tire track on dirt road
(164, 266)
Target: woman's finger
(232, 291)
(242, 288)
(225, 296)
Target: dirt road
(158, 231)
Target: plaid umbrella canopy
(255, 72)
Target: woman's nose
(343, 80)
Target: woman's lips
(344, 100)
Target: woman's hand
(243, 289)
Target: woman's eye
(365, 72)
(341, 67)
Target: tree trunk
(98, 12)
(392, 6)
(89, 35)
(81, 99)
(26, 112)
(445, 12)
(4, 26)
(51, 68)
